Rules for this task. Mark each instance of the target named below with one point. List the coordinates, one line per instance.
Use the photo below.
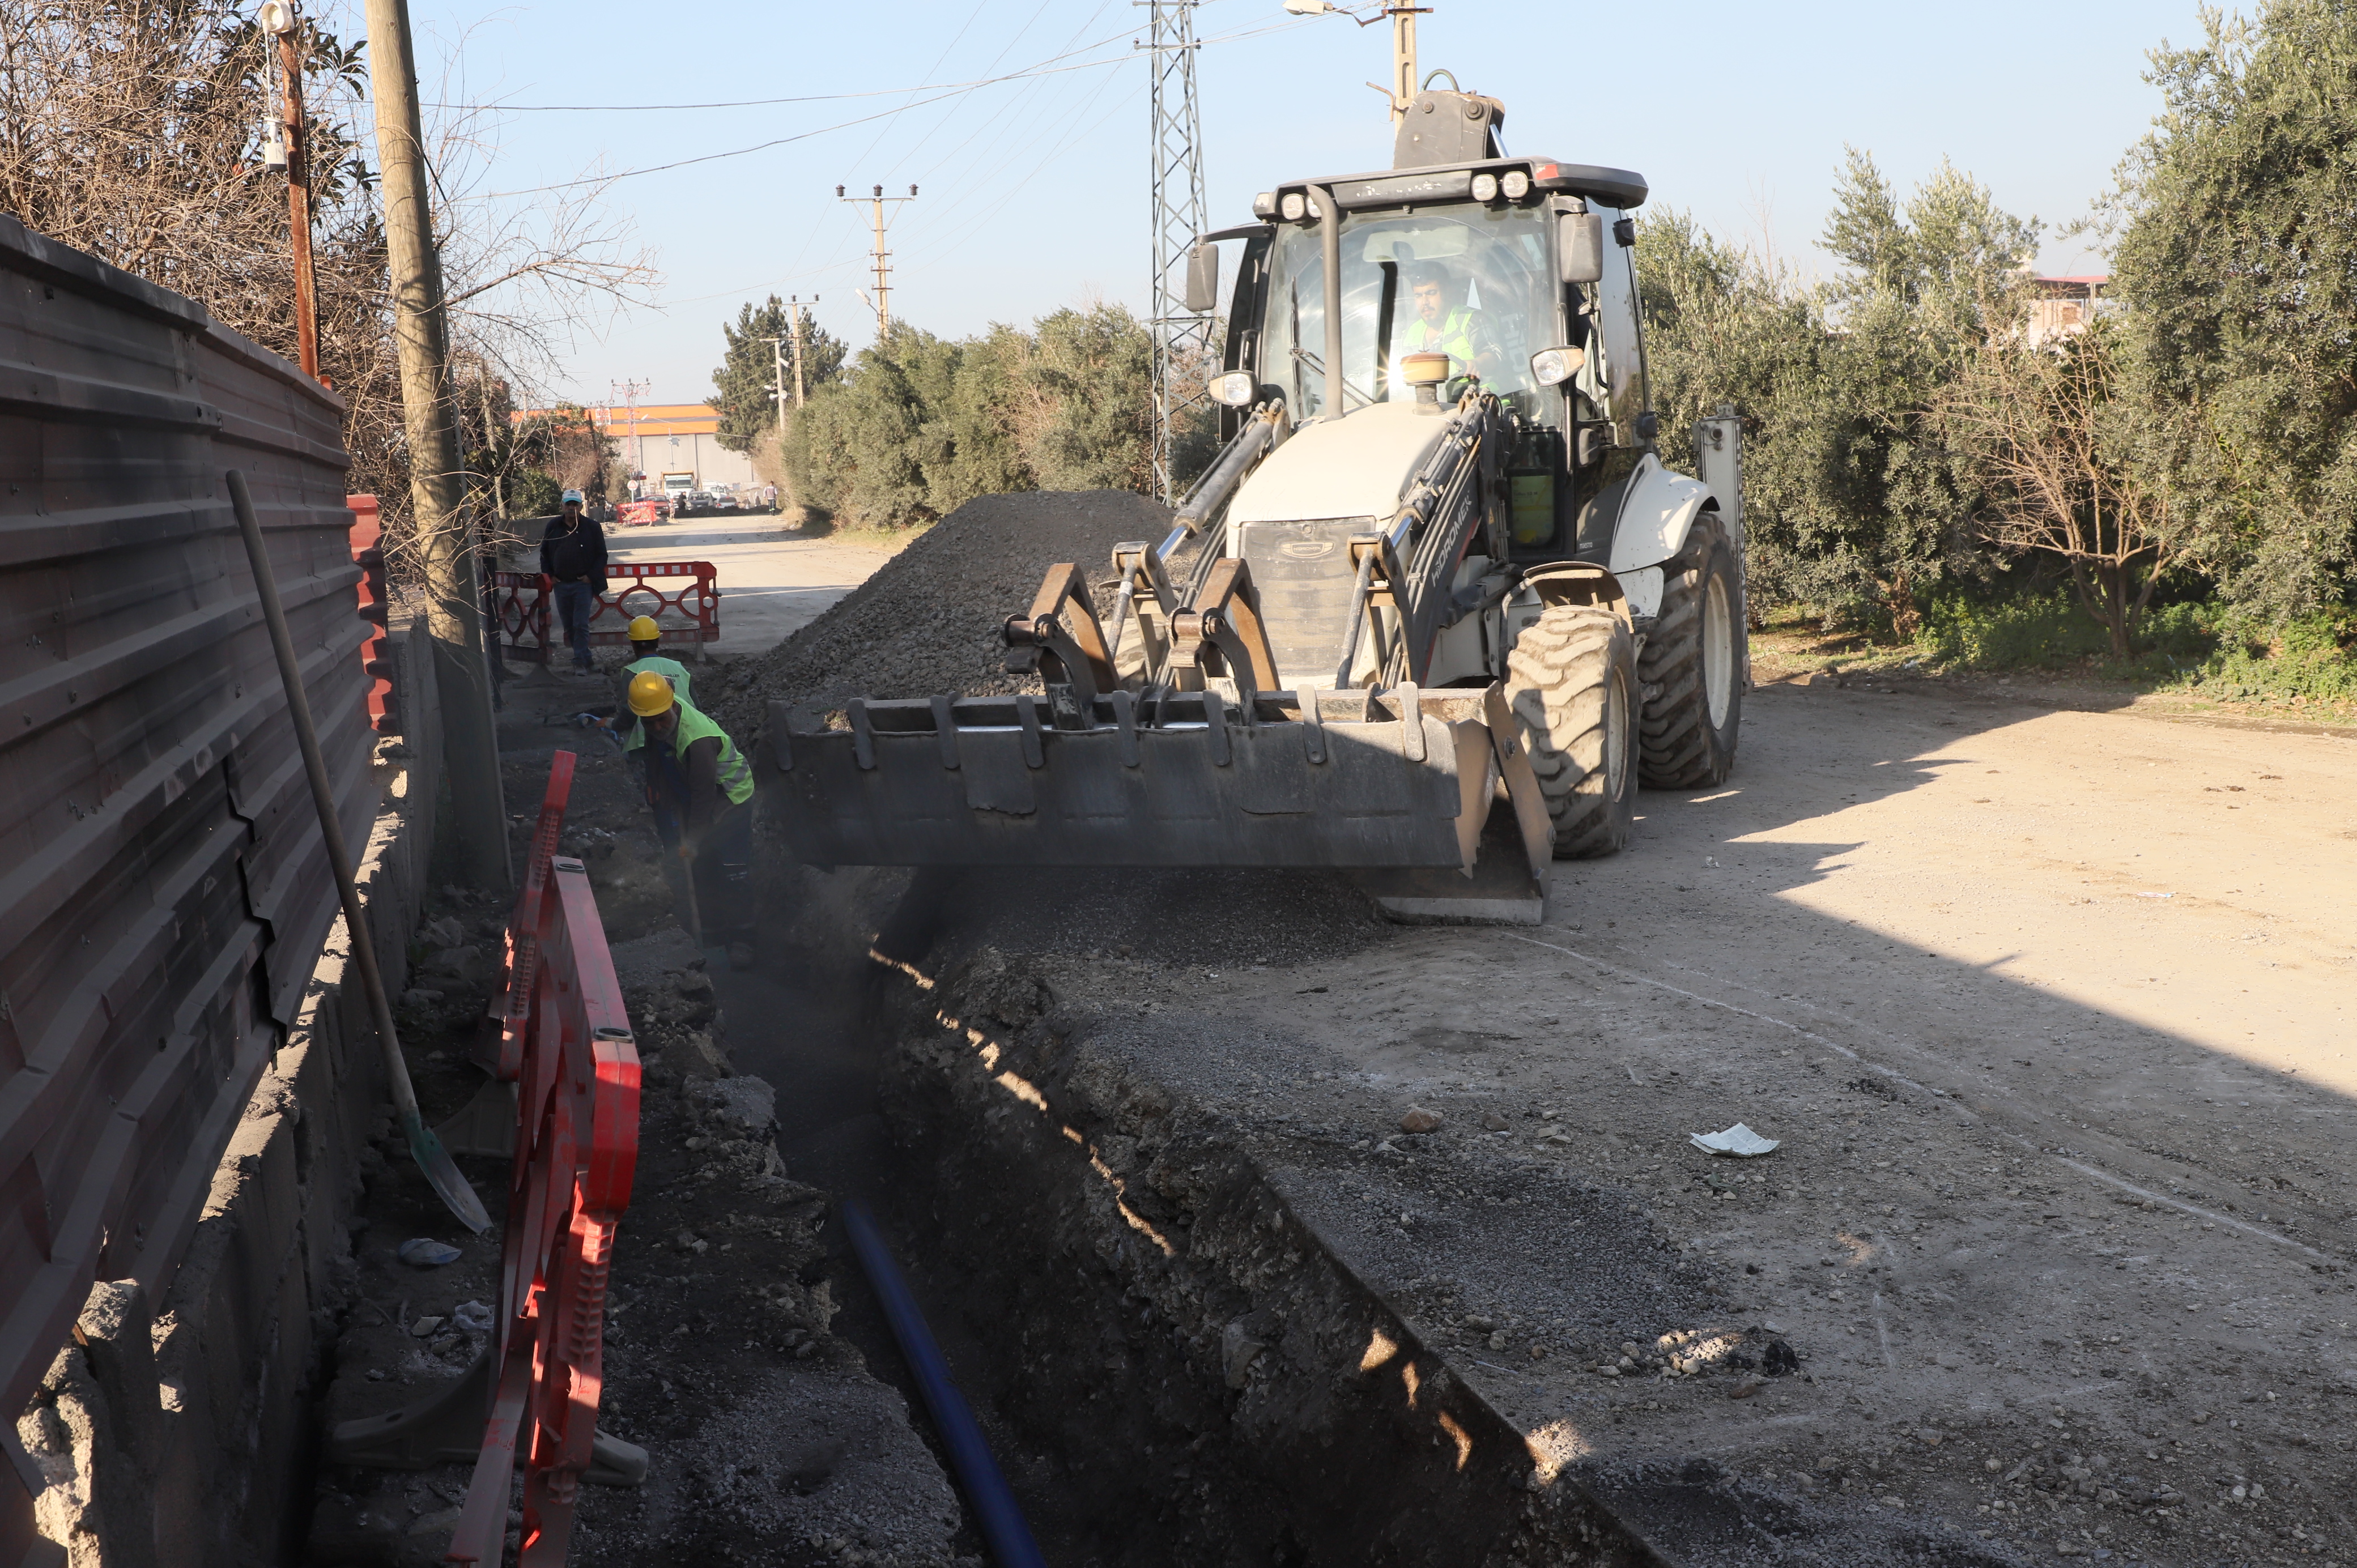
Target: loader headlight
(1552, 367)
(1294, 205)
(1264, 204)
(1485, 188)
(1236, 388)
(1516, 185)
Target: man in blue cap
(573, 556)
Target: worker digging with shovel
(701, 787)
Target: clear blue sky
(1033, 192)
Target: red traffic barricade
(682, 596)
(376, 657)
(576, 1151)
(565, 1047)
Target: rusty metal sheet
(163, 894)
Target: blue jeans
(576, 603)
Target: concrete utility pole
(1403, 90)
(778, 378)
(883, 260)
(1403, 81)
(796, 304)
(778, 360)
(629, 391)
(279, 19)
(421, 338)
(1175, 120)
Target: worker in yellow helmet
(646, 654)
(701, 787)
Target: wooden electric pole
(882, 260)
(281, 20)
(436, 482)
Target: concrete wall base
(185, 1439)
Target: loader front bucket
(1355, 779)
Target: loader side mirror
(1203, 279)
(1579, 246)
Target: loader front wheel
(1694, 666)
(1572, 679)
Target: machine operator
(1445, 323)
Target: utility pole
(796, 304)
(777, 358)
(882, 259)
(1182, 339)
(1402, 92)
(421, 335)
(778, 378)
(1403, 81)
(278, 18)
(628, 393)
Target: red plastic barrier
(576, 1151)
(376, 657)
(523, 606)
(512, 1011)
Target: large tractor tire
(1572, 681)
(1693, 666)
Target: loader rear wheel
(1572, 679)
(1693, 666)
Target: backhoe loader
(1437, 590)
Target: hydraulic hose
(995, 1512)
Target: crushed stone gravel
(927, 620)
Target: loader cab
(1490, 262)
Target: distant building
(658, 438)
(2062, 305)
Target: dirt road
(2051, 1012)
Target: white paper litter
(1739, 1140)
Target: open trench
(1173, 1363)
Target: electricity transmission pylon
(1181, 338)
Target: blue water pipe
(995, 1512)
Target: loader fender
(1578, 583)
(1655, 515)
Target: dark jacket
(575, 554)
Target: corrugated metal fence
(164, 894)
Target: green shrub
(2313, 657)
(2052, 630)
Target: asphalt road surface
(773, 580)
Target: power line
(1041, 67)
(846, 124)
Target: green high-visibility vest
(1455, 337)
(671, 670)
(736, 773)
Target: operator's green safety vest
(736, 773)
(1455, 337)
(671, 670)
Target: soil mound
(927, 620)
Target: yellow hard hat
(650, 694)
(644, 629)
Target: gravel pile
(927, 620)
